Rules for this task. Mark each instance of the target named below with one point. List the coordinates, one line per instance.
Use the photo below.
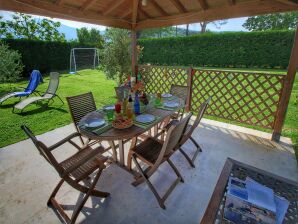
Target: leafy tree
(158, 32)
(217, 24)
(90, 37)
(11, 65)
(26, 27)
(116, 56)
(276, 21)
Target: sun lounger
(35, 79)
(48, 96)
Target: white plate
(171, 104)
(145, 118)
(93, 123)
(166, 95)
(109, 107)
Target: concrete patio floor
(26, 179)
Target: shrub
(11, 66)
(268, 49)
(45, 56)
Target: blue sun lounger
(35, 79)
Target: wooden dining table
(122, 136)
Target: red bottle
(118, 107)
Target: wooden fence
(247, 97)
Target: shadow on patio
(27, 180)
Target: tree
(91, 37)
(24, 26)
(277, 21)
(158, 32)
(11, 66)
(217, 24)
(116, 58)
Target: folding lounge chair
(81, 171)
(47, 96)
(35, 79)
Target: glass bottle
(137, 104)
(124, 102)
(129, 112)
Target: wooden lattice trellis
(158, 79)
(246, 97)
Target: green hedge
(43, 55)
(269, 49)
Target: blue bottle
(137, 104)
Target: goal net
(83, 58)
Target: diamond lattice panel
(250, 98)
(158, 79)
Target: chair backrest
(180, 91)
(120, 92)
(173, 137)
(197, 121)
(80, 105)
(43, 149)
(53, 84)
(35, 79)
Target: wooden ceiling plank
(135, 7)
(232, 2)
(59, 2)
(43, 8)
(179, 6)
(87, 4)
(125, 14)
(144, 13)
(203, 4)
(249, 8)
(289, 2)
(158, 8)
(113, 6)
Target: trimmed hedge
(43, 55)
(270, 49)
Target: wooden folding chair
(75, 170)
(79, 106)
(154, 152)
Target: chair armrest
(85, 159)
(63, 141)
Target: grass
(41, 120)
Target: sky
(231, 25)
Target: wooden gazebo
(141, 14)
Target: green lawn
(41, 120)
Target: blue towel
(35, 79)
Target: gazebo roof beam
(203, 4)
(158, 8)
(238, 10)
(135, 6)
(87, 4)
(43, 8)
(179, 6)
(113, 6)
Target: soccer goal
(83, 58)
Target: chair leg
(80, 206)
(196, 144)
(187, 158)
(145, 177)
(175, 170)
(55, 191)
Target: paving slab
(26, 179)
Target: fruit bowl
(122, 123)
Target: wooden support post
(134, 56)
(286, 91)
(189, 84)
